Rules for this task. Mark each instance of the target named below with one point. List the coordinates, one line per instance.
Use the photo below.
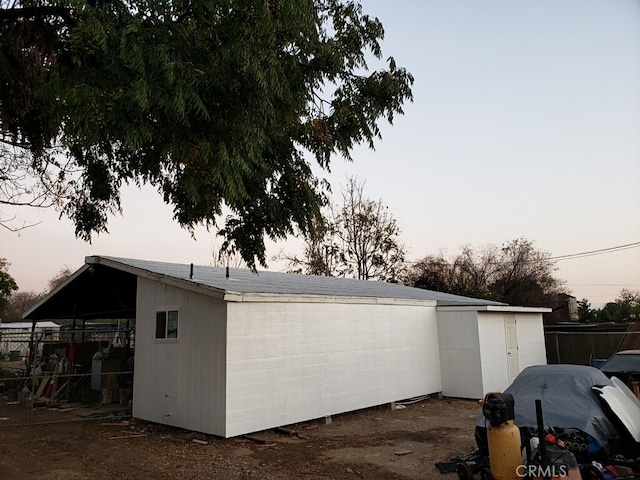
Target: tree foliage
(516, 273)
(7, 285)
(625, 306)
(359, 239)
(585, 312)
(19, 303)
(219, 104)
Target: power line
(572, 256)
(591, 253)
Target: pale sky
(525, 123)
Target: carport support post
(31, 359)
(73, 325)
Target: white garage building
(229, 355)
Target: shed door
(511, 335)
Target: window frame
(167, 333)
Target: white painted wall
(241, 367)
(473, 349)
(493, 352)
(291, 362)
(531, 345)
(460, 354)
(180, 383)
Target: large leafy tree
(222, 105)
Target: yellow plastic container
(504, 450)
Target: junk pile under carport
(554, 422)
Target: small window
(167, 324)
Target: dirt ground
(378, 443)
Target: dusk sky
(525, 123)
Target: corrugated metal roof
(244, 281)
(26, 325)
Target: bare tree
(473, 271)
(226, 256)
(64, 273)
(29, 181)
(359, 239)
(517, 273)
(320, 253)
(367, 237)
(525, 276)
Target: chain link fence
(61, 367)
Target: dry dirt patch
(373, 444)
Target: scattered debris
(130, 435)
(291, 433)
(200, 442)
(173, 439)
(251, 438)
(403, 452)
(124, 423)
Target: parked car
(625, 365)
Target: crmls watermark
(550, 471)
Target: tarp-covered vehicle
(585, 412)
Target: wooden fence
(582, 348)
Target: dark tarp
(568, 400)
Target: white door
(511, 335)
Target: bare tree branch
(22, 185)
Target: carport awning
(93, 292)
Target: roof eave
(494, 308)
(186, 284)
(238, 297)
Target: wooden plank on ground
(136, 435)
(43, 384)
